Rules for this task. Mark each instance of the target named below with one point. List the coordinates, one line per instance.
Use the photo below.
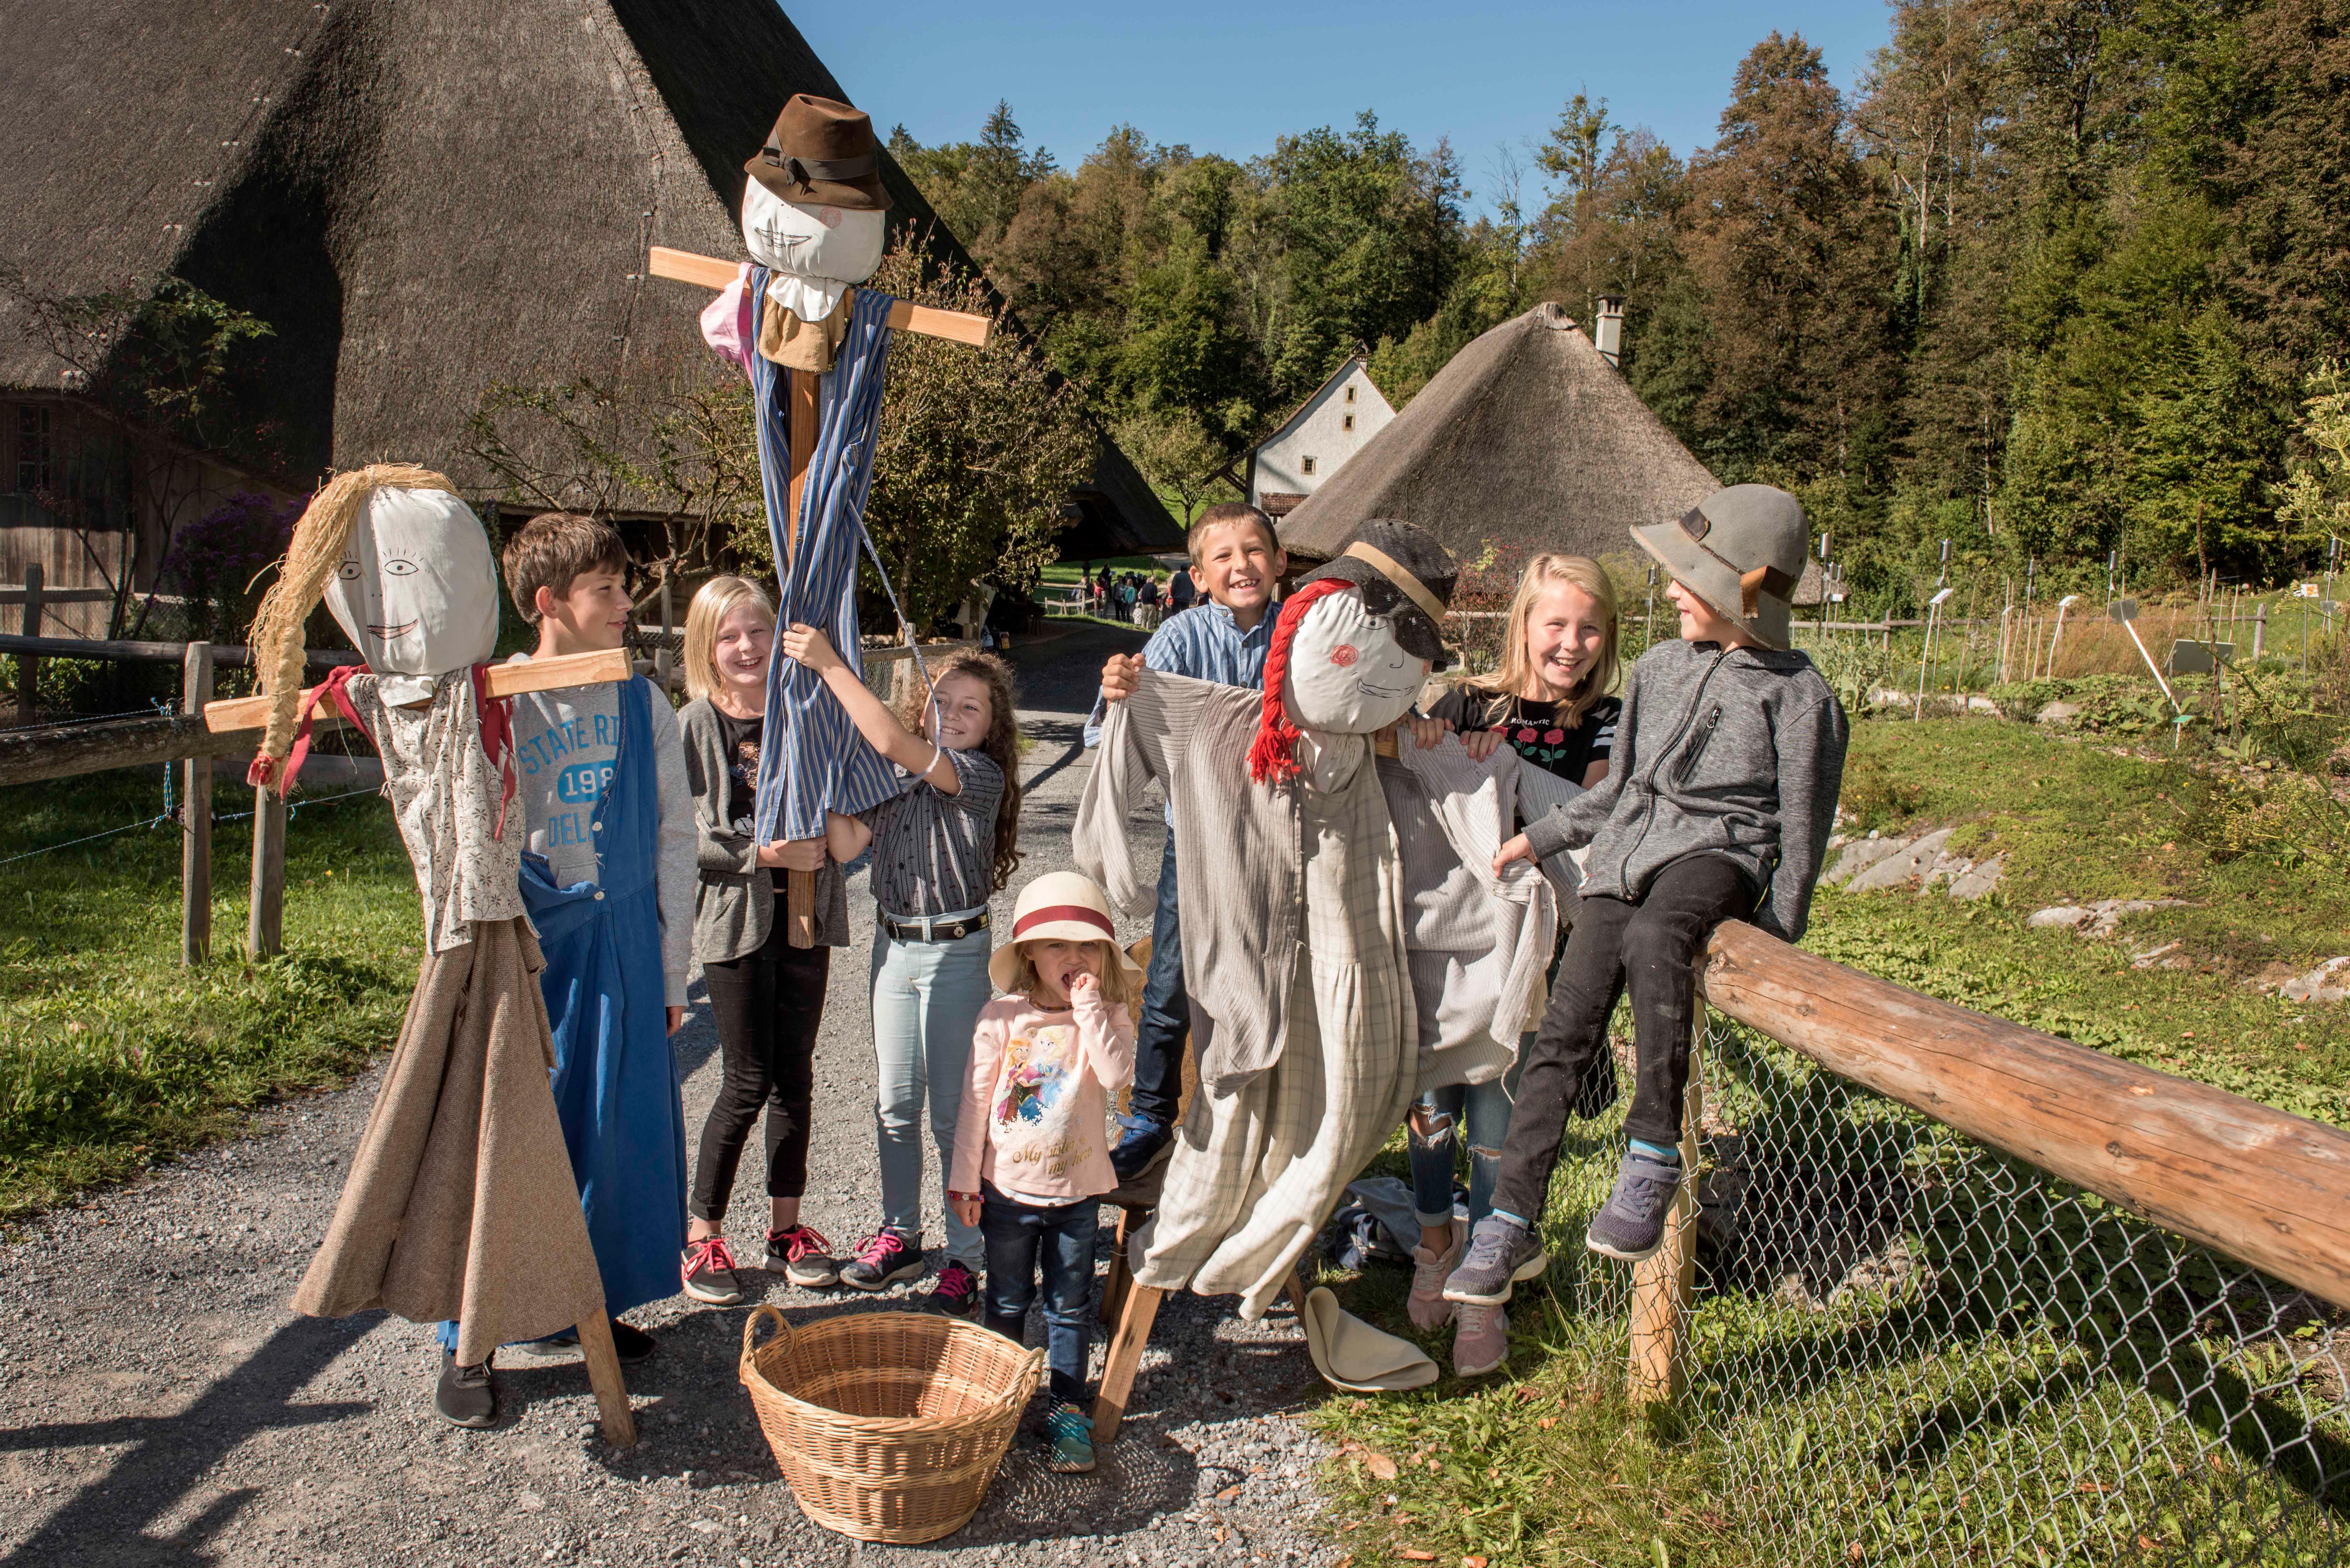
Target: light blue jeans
(1481, 1112)
(926, 1001)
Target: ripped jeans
(1481, 1111)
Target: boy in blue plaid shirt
(1237, 561)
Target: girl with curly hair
(942, 848)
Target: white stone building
(1316, 441)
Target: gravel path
(159, 1403)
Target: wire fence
(1907, 1348)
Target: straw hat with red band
(1060, 906)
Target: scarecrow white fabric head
(816, 252)
(416, 590)
(1354, 644)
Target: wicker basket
(887, 1425)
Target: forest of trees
(2056, 277)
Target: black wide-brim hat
(1405, 575)
(822, 153)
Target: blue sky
(1228, 78)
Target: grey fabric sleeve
(1811, 776)
(676, 871)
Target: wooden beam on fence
(224, 654)
(265, 921)
(2254, 1183)
(196, 816)
(67, 751)
(28, 663)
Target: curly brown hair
(1002, 743)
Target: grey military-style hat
(1742, 551)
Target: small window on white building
(1304, 465)
(1351, 394)
(1346, 421)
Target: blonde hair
(713, 602)
(320, 536)
(1118, 987)
(1517, 669)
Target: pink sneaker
(802, 1256)
(707, 1272)
(1481, 1342)
(882, 1259)
(956, 1292)
(1427, 1305)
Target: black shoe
(465, 1398)
(956, 1292)
(629, 1342)
(1143, 1141)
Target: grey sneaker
(1632, 1224)
(1426, 1304)
(1499, 1254)
(1481, 1342)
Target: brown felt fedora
(822, 153)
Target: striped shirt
(1206, 643)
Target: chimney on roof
(1609, 338)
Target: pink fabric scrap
(726, 324)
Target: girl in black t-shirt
(1550, 701)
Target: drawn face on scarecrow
(416, 590)
(1347, 673)
(834, 244)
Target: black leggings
(767, 1007)
(1649, 948)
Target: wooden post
(2261, 628)
(1124, 1359)
(662, 662)
(799, 887)
(265, 925)
(196, 816)
(28, 667)
(1664, 1283)
(1120, 1277)
(620, 1422)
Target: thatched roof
(1526, 441)
(422, 201)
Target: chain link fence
(1907, 1348)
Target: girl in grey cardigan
(766, 995)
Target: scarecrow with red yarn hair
(1302, 1009)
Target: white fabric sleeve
(676, 869)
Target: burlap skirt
(461, 1202)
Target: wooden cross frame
(710, 272)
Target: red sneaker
(708, 1270)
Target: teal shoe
(1071, 1432)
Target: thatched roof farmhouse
(422, 200)
(1529, 439)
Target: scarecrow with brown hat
(1717, 806)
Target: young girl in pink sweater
(1031, 1156)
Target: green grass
(111, 1055)
(2051, 1380)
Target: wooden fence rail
(2248, 1181)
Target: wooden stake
(1120, 1277)
(799, 887)
(599, 669)
(196, 816)
(620, 1422)
(265, 924)
(1124, 1359)
(1664, 1283)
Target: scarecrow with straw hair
(460, 1202)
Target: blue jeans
(926, 1001)
(1484, 1111)
(1166, 1021)
(1022, 1239)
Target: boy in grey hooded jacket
(1729, 757)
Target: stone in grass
(1860, 855)
(1906, 865)
(1978, 880)
(2059, 712)
(2066, 917)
